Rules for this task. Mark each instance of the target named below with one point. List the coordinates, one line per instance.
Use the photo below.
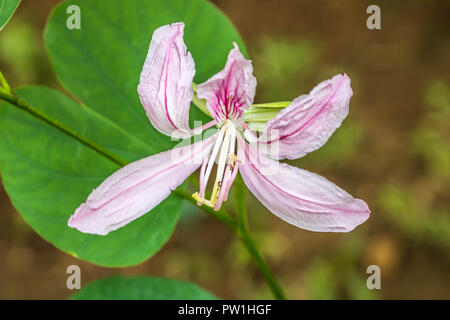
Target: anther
(224, 151)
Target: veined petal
(229, 92)
(309, 121)
(165, 86)
(137, 188)
(302, 198)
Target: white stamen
(226, 158)
(232, 141)
(214, 153)
(221, 165)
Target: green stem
(238, 228)
(244, 235)
(25, 106)
(262, 265)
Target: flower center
(224, 151)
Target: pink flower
(297, 196)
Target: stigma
(224, 153)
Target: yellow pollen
(203, 201)
(232, 159)
(224, 152)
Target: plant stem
(25, 106)
(244, 235)
(239, 229)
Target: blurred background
(393, 151)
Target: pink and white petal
(137, 188)
(232, 90)
(165, 86)
(309, 121)
(304, 199)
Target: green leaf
(47, 175)
(7, 8)
(101, 62)
(141, 288)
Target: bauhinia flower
(166, 91)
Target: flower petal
(307, 123)
(302, 198)
(137, 188)
(231, 91)
(165, 86)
